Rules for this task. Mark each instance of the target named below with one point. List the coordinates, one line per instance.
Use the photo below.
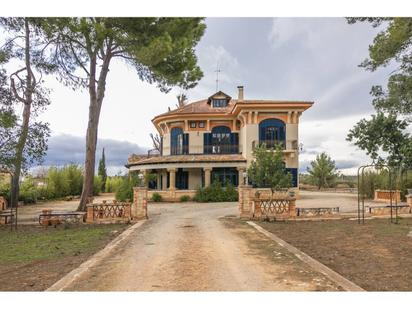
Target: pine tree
(322, 171)
(102, 171)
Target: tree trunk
(96, 100)
(15, 188)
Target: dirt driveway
(190, 247)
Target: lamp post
(140, 176)
(245, 180)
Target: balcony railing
(271, 144)
(221, 149)
(180, 150)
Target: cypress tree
(102, 173)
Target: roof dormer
(219, 100)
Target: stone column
(241, 170)
(145, 182)
(164, 181)
(172, 178)
(207, 171)
(139, 206)
(158, 180)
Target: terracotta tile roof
(200, 158)
(203, 107)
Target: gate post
(139, 206)
(245, 201)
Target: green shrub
(5, 190)
(73, 174)
(125, 189)
(156, 197)
(185, 198)
(57, 185)
(97, 185)
(113, 183)
(216, 193)
(28, 192)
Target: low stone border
(96, 258)
(346, 284)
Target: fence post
(139, 206)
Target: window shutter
(234, 142)
(161, 145)
(186, 143)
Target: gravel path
(188, 247)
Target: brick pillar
(3, 203)
(207, 171)
(245, 201)
(89, 216)
(139, 206)
(292, 208)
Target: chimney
(240, 95)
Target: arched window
(221, 141)
(272, 132)
(178, 142)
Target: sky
(314, 59)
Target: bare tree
(157, 142)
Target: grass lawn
(377, 255)
(33, 258)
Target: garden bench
(381, 209)
(6, 216)
(48, 217)
(317, 211)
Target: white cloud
(330, 136)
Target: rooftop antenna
(217, 76)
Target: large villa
(213, 140)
